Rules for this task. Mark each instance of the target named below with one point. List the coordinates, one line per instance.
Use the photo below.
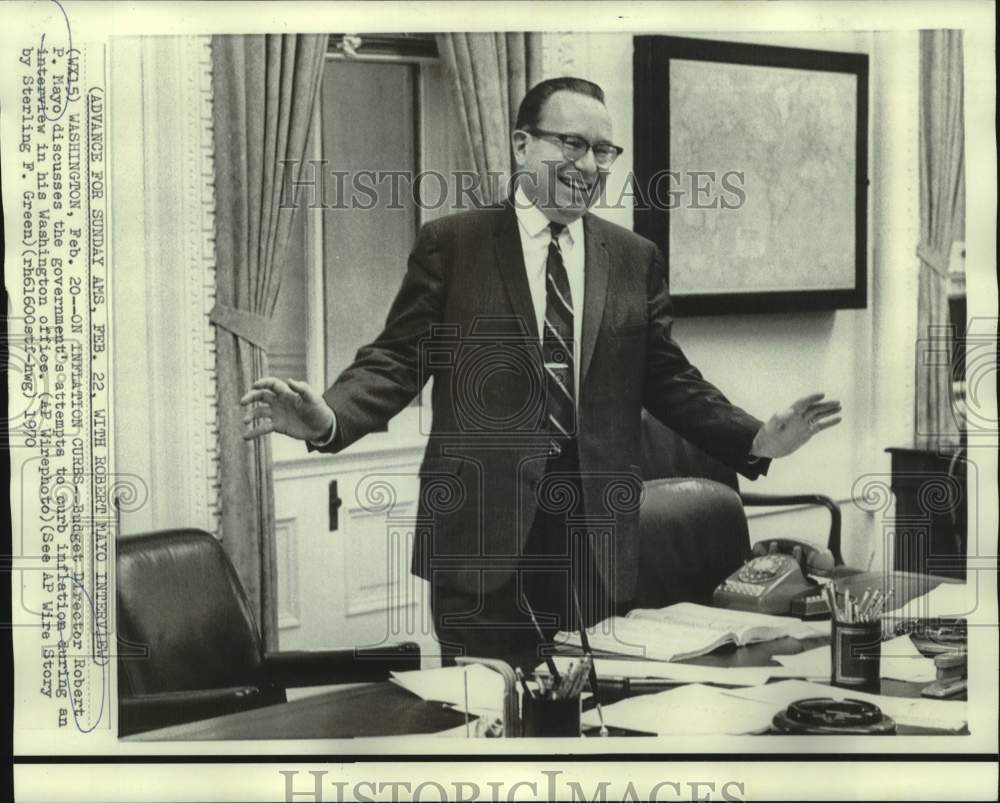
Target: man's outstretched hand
(291, 408)
(789, 429)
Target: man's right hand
(291, 408)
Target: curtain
(942, 157)
(490, 74)
(265, 89)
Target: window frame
(405, 429)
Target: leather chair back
(693, 534)
(180, 599)
(667, 454)
(693, 529)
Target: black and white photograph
(424, 401)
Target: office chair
(692, 524)
(189, 647)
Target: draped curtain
(490, 74)
(942, 166)
(265, 89)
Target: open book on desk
(686, 630)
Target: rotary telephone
(777, 580)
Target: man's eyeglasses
(574, 147)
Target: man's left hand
(789, 429)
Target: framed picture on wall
(751, 173)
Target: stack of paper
(901, 660)
(448, 685)
(687, 710)
(914, 711)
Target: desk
(384, 709)
(371, 709)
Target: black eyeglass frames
(575, 147)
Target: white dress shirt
(533, 227)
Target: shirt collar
(534, 222)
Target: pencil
(568, 679)
(541, 637)
(585, 643)
(524, 683)
(864, 602)
(465, 680)
(582, 677)
(831, 599)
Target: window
(384, 111)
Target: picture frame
(751, 173)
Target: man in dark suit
(546, 331)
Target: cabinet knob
(333, 506)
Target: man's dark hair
(531, 107)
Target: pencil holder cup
(542, 716)
(856, 655)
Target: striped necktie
(557, 346)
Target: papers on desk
(948, 600)
(901, 660)
(618, 668)
(917, 712)
(688, 710)
(686, 630)
(447, 685)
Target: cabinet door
(344, 540)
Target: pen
(847, 605)
(864, 602)
(582, 676)
(831, 599)
(524, 683)
(465, 678)
(567, 682)
(879, 602)
(873, 604)
(541, 636)
(585, 643)
(867, 604)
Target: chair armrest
(148, 711)
(324, 667)
(782, 500)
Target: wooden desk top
(371, 709)
(385, 709)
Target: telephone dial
(779, 580)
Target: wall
(162, 281)
(862, 357)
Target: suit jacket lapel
(510, 259)
(597, 268)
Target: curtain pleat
(265, 90)
(490, 74)
(942, 167)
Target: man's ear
(518, 143)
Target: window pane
(369, 124)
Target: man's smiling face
(562, 189)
